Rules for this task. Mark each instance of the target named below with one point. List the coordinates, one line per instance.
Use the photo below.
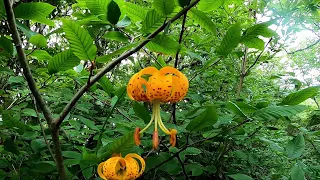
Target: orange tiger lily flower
(119, 168)
(157, 86)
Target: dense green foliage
(251, 111)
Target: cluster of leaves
(256, 135)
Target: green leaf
(202, 19)
(230, 41)
(275, 112)
(117, 36)
(195, 168)
(164, 7)
(183, 3)
(44, 166)
(63, 61)
(236, 109)
(6, 46)
(98, 7)
(258, 30)
(36, 11)
(297, 173)
(38, 40)
(106, 85)
(37, 144)
(135, 12)
(163, 44)
(26, 30)
(126, 21)
(113, 13)
(120, 145)
(208, 118)
(300, 96)
(209, 5)
(255, 42)
(152, 21)
(41, 55)
(295, 147)
(72, 155)
(10, 146)
(107, 58)
(141, 112)
(3, 13)
(29, 112)
(80, 40)
(15, 79)
(240, 177)
(90, 124)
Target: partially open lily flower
(156, 86)
(119, 168)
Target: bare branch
(115, 62)
(303, 49)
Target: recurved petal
(180, 88)
(111, 168)
(148, 70)
(159, 87)
(142, 166)
(136, 88)
(100, 171)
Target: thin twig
(183, 167)
(303, 49)
(199, 72)
(115, 62)
(42, 130)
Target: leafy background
(251, 111)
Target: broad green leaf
(29, 112)
(15, 79)
(107, 58)
(63, 61)
(297, 173)
(135, 12)
(164, 7)
(26, 30)
(3, 13)
(126, 21)
(11, 120)
(90, 124)
(295, 147)
(38, 40)
(152, 21)
(230, 41)
(209, 5)
(98, 7)
(38, 144)
(113, 13)
(236, 109)
(72, 154)
(258, 30)
(106, 85)
(36, 11)
(203, 20)
(240, 177)
(275, 112)
(41, 55)
(44, 167)
(208, 118)
(120, 145)
(141, 112)
(117, 36)
(195, 168)
(6, 46)
(255, 42)
(10, 146)
(80, 40)
(163, 44)
(300, 96)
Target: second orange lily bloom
(157, 86)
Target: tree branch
(303, 49)
(115, 62)
(33, 88)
